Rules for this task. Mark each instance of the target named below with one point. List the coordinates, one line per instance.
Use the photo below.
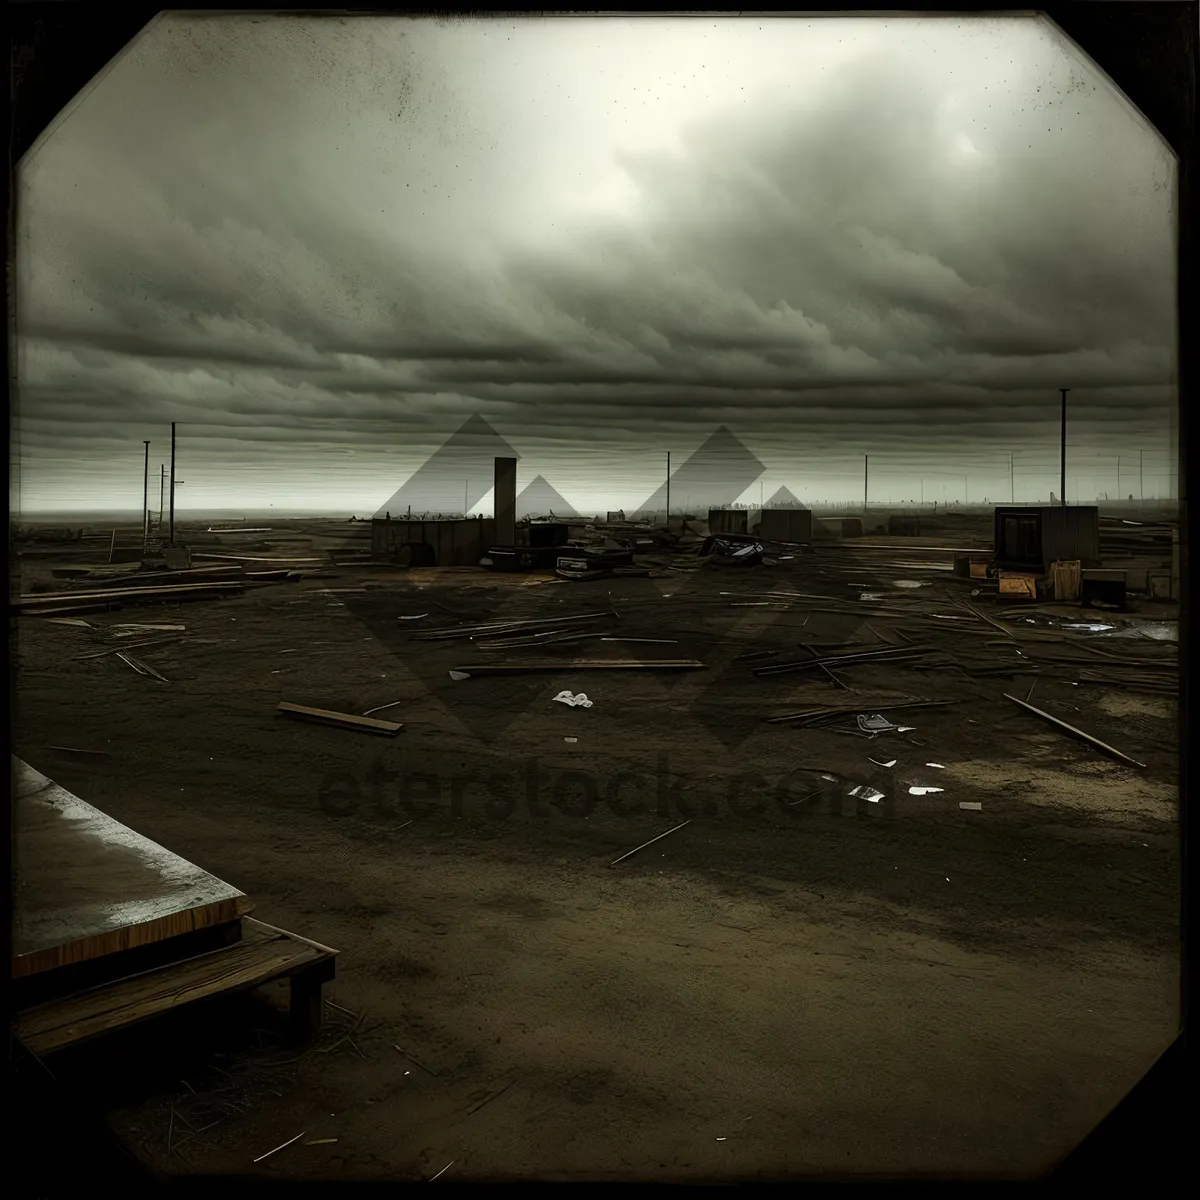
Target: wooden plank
(255, 558)
(122, 593)
(679, 664)
(1079, 733)
(258, 958)
(86, 886)
(324, 716)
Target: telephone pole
(1141, 477)
(866, 477)
(146, 494)
(1062, 499)
(162, 481)
(172, 532)
(1012, 487)
(668, 488)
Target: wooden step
(263, 954)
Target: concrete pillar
(505, 504)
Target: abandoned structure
(455, 543)
(727, 520)
(458, 542)
(1030, 538)
(785, 525)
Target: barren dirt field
(797, 981)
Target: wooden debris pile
(99, 591)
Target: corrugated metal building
(1031, 538)
(785, 525)
(727, 520)
(460, 543)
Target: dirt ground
(794, 982)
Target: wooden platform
(262, 954)
(86, 886)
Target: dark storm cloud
(891, 247)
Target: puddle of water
(1157, 631)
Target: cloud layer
(313, 241)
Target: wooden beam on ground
(47, 600)
(566, 666)
(1079, 733)
(323, 716)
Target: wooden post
(1062, 484)
(172, 533)
(146, 494)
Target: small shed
(727, 520)
(785, 525)
(454, 543)
(1030, 538)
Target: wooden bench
(262, 955)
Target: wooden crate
(1067, 578)
(1018, 587)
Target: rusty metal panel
(784, 525)
(1071, 533)
(727, 520)
(456, 543)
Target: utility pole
(966, 490)
(1012, 487)
(162, 482)
(866, 477)
(922, 492)
(1141, 477)
(172, 532)
(466, 485)
(668, 488)
(146, 494)
(1063, 451)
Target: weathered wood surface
(85, 885)
(322, 716)
(263, 954)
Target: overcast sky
(322, 245)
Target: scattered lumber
(322, 716)
(496, 628)
(38, 601)
(1079, 733)
(814, 715)
(889, 654)
(159, 578)
(125, 647)
(259, 559)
